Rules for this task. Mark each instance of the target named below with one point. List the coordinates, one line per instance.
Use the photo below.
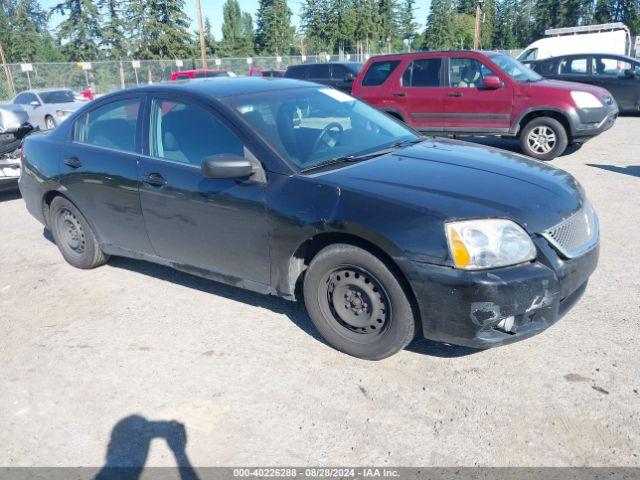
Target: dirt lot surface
(135, 346)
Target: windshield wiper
(363, 156)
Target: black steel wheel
(357, 304)
(73, 235)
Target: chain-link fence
(109, 76)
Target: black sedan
(617, 73)
(301, 191)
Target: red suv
(485, 93)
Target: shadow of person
(129, 447)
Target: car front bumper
(589, 122)
(465, 307)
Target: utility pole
(476, 34)
(203, 49)
(7, 73)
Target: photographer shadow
(129, 448)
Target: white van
(613, 38)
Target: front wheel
(544, 138)
(73, 235)
(49, 123)
(357, 304)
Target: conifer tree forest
(162, 29)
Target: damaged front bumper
(466, 307)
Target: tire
(49, 123)
(73, 235)
(357, 304)
(544, 138)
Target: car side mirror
(226, 166)
(349, 77)
(491, 82)
(630, 73)
(34, 103)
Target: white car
(49, 107)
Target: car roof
(221, 87)
(608, 55)
(434, 52)
(46, 90)
(201, 70)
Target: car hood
(568, 86)
(449, 179)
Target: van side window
(379, 72)
(423, 73)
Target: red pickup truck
(485, 93)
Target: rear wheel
(73, 235)
(357, 304)
(544, 138)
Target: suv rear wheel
(544, 138)
(357, 304)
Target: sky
(213, 10)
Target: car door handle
(454, 94)
(155, 180)
(399, 94)
(73, 162)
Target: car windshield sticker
(337, 95)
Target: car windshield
(313, 126)
(515, 69)
(58, 96)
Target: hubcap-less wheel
(71, 231)
(356, 302)
(541, 139)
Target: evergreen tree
(387, 24)
(158, 29)
(80, 29)
(113, 38)
(439, 32)
(408, 27)
(237, 30)
(487, 22)
(343, 22)
(273, 34)
(366, 29)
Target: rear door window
(379, 72)
(110, 126)
(425, 72)
(573, 66)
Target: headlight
(586, 100)
(488, 243)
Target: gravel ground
(140, 347)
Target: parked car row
(452, 93)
